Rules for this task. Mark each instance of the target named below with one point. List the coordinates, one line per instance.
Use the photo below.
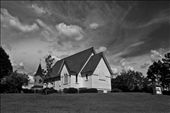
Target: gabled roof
(93, 62)
(56, 69)
(74, 63)
(39, 71)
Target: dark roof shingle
(74, 62)
(39, 71)
(93, 62)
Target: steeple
(39, 70)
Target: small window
(86, 76)
(40, 81)
(76, 78)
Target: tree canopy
(159, 72)
(129, 81)
(49, 62)
(5, 67)
(14, 82)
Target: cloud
(125, 66)
(145, 65)
(129, 68)
(155, 21)
(123, 62)
(101, 49)
(19, 67)
(7, 18)
(70, 31)
(114, 70)
(44, 25)
(49, 33)
(94, 25)
(137, 44)
(155, 56)
(38, 10)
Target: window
(40, 81)
(65, 78)
(86, 76)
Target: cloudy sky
(132, 34)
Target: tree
(129, 81)
(5, 67)
(14, 82)
(49, 62)
(159, 72)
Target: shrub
(27, 90)
(70, 90)
(129, 81)
(82, 90)
(116, 90)
(49, 91)
(92, 90)
(65, 90)
(166, 92)
(86, 90)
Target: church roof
(39, 71)
(93, 62)
(74, 63)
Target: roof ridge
(91, 48)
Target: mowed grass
(85, 103)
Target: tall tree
(5, 67)
(159, 72)
(129, 81)
(49, 62)
(14, 82)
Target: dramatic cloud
(7, 18)
(94, 25)
(101, 49)
(155, 56)
(38, 10)
(124, 30)
(70, 31)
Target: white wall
(86, 82)
(73, 81)
(60, 84)
(101, 78)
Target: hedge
(88, 90)
(70, 90)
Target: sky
(132, 34)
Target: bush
(128, 81)
(166, 92)
(116, 90)
(70, 90)
(82, 90)
(90, 90)
(49, 91)
(27, 90)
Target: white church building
(86, 69)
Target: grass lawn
(85, 103)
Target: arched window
(65, 78)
